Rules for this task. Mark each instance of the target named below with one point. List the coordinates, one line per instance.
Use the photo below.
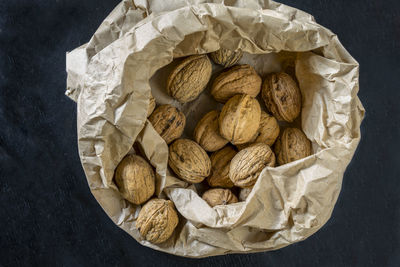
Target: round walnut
(247, 165)
(219, 196)
(189, 161)
(206, 133)
(220, 162)
(169, 122)
(292, 145)
(267, 133)
(189, 78)
(282, 96)
(244, 193)
(135, 179)
(242, 79)
(152, 105)
(239, 119)
(157, 220)
(226, 57)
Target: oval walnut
(292, 145)
(157, 220)
(168, 122)
(135, 179)
(247, 165)
(189, 161)
(189, 78)
(239, 119)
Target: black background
(48, 216)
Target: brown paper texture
(111, 77)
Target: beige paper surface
(111, 77)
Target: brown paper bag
(111, 77)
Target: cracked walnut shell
(241, 79)
(206, 133)
(220, 162)
(168, 122)
(135, 179)
(292, 145)
(189, 161)
(157, 220)
(226, 57)
(219, 196)
(189, 78)
(239, 119)
(282, 96)
(247, 165)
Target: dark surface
(48, 216)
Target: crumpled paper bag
(111, 77)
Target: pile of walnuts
(239, 138)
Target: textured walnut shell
(220, 162)
(189, 78)
(152, 105)
(157, 220)
(267, 133)
(247, 165)
(206, 133)
(292, 145)
(189, 161)
(226, 57)
(169, 122)
(219, 196)
(244, 193)
(242, 79)
(239, 119)
(282, 96)
(135, 179)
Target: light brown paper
(111, 77)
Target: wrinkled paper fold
(112, 75)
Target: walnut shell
(247, 165)
(220, 162)
(219, 196)
(244, 193)
(239, 119)
(241, 79)
(152, 105)
(282, 96)
(267, 133)
(292, 145)
(157, 220)
(206, 133)
(226, 57)
(169, 122)
(189, 78)
(189, 161)
(135, 179)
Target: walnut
(241, 79)
(169, 122)
(206, 133)
(157, 220)
(189, 161)
(220, 162)
(247, 165)
(239, 119)
(282, 96)
(189, 78)
(135, 179)
(152, 105)
(292, 145)
(219, 196)
(267, 133)
(244, 193)
(226, 57)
